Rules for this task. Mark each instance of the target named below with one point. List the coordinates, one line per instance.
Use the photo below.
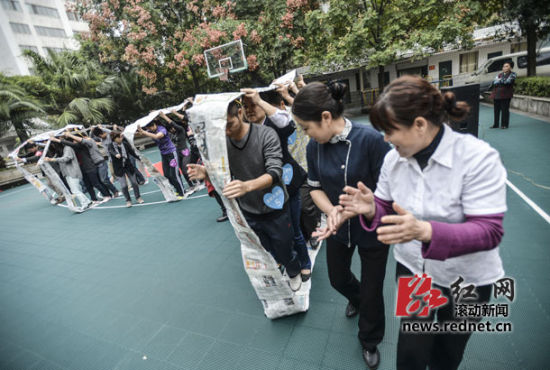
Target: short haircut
(272, 97)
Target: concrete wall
(531, 104)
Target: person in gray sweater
(256, 165)
(71, 170)
(99, 161)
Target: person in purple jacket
(440, 200)
(168, 153)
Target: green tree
(165, 41)
(382, 31)
(72, 83)
(130, 100)
(533, 17)
(17, 109)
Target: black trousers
(170, 168)
(91, 181)
(183, 162)
(367, 294)
(504, 106)
(416, 351)
(277, 237)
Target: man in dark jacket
(502, 94)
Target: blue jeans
(299, 242)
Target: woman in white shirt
(440, 200)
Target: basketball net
(225, 74)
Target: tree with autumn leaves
(165, 41)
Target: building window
(494, 55)
(468, 62)
(43, 10)
(29, 47)
(20, 28)
(50, 31)
(518, 46)
(73, 16)
(542, 60)
(11, 5)
(55, 50)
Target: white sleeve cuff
(281, 118)
(314, 184)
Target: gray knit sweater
(69, 164)
(258, 153)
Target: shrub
(533, 86)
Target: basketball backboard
(226, 58)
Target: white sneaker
(295, 282)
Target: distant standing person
(503, 92)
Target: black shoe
(351, 310)
(372, 359)
(493, 126)
(222, 218)
(504, 127)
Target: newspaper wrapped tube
(208, 118)
(129, 131)
(50, 174)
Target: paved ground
(162, 286)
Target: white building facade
(38, 25)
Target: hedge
(533, 86)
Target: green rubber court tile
(307, 344)
(46, 365)
(9, 352)
(221, 355)
(136, 361)
(140, 334)
(163, 343)
(343, 351)
(191, 350)
(241, 329)
(292, 364)
(206, 321)
(253, 359)
(272, 337)
(320, 316)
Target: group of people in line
(87, 161)
(410, 181)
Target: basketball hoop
(225, 74)
(224, 59)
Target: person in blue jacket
(343, 153)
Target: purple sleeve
(383, 207)
(478, 233)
